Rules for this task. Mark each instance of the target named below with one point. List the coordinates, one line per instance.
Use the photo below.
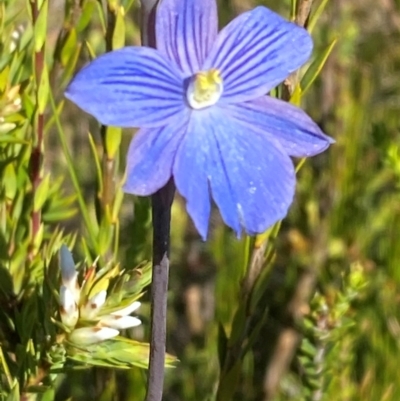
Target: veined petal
(190, 173)
(129, 87)
(151, 155)
(289, 125)
(256, 52)
(252, 179)
(260, 174)
(186, 30)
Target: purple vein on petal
(151, 156)
(257, 51)
(186, 30)
(251, 178)
(283, 123)
(129, 87)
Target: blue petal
(151, 155)
(67, 264)
(256, 52)
(251, 178)
(297, 134)
(186, 30)
(190, 175)
(129, 87)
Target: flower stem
(161, 213)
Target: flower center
(205, 88)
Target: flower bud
(69, 276)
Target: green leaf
(238, 324)
(119, 197)
(4, 79)
(90, 226)
(102, 16)
(11, 139)
(38, 239)
(105, 235)
(316, 67)
(119, 353)
(6, 283)
(69, 49)
(222, 345)
(69, 69)
(59, 215)
(293, 8)
(46, 393)
(316, 15)
(262, 281)
(41, 193)
(10, 181)
(86, 15)
(28, 106)
(228, 383)
(40, 29)
(43, 90)
(118, 38)
(112, 140)
(28, 318)
(26, 38)
(14, 393)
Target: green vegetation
(308, 311)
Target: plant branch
(36, 158)
(303, 12)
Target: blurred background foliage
(317, 319)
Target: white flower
(127, 310)
(69, 309)
(91, 335)
(69, 276)
(120, 319)
(77, 310)
(119, 322)
(92, 307)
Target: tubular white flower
(119, 322)
(127, 310)
(69, 276)
(69, 310)
(92, 335)
(90, 310)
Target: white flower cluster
(74, 310)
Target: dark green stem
(161, 212)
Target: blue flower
(200, 102)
